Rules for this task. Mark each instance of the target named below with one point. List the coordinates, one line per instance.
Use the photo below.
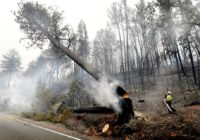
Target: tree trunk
(127, 43)
(192, 61)
(178, 53)
(84, 65)
(121, 53)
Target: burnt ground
(182, 125)
(185, 124)
(152, 121)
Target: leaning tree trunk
(34, 19)
(84, 65)
(96, 74)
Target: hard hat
(169, 92)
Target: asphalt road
(13, 129)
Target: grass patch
(61, 117)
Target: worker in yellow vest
(168, 100)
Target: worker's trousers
(170, 105)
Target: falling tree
(39, 24)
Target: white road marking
(49, 130)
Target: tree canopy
(11, 62)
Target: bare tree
(104, 48)
(115, 18)
(82, 50)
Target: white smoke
(20, 95)
(104, 93)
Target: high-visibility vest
(169, 98)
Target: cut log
(193, 103)
(95, 110)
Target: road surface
(14, 129)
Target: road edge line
(59, 133)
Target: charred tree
(192, 61)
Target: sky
(92, 12)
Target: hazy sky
(92, 12)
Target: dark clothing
(126, 111)
(170, 105)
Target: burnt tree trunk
(192, 61)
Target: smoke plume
(20, 94)
(104, 93)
